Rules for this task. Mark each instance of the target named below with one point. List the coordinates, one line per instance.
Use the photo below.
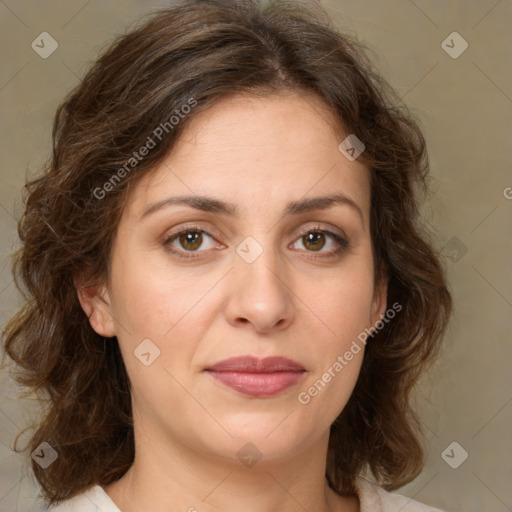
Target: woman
(229, 295)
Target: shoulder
(374, 498)
(94, 499)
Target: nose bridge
(259, 294)
(258, 260)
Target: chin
(256, 442)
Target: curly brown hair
(207, 50)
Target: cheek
(150, 297)
(337, 354)
(165, 305)
(326, 394)
(342, 302)
(342, 311)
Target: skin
(259, 153)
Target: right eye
(191, 239)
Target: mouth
(258, 377)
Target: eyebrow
(210, 204)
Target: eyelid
(210, 230)
(323, 227)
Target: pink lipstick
(258, 377)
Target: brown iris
(313, 238)
(194, 239)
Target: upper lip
(250, 364)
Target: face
(261, 270)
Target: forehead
(254, 150)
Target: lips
(258, 377)
(255, 365)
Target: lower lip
(258, 384)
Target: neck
(169, 475)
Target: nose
(260, 294)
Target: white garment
(372, 498)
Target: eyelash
(343, 243)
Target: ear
(95, 302)
(379, 302)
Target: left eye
(314, 240)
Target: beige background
(465, 107)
